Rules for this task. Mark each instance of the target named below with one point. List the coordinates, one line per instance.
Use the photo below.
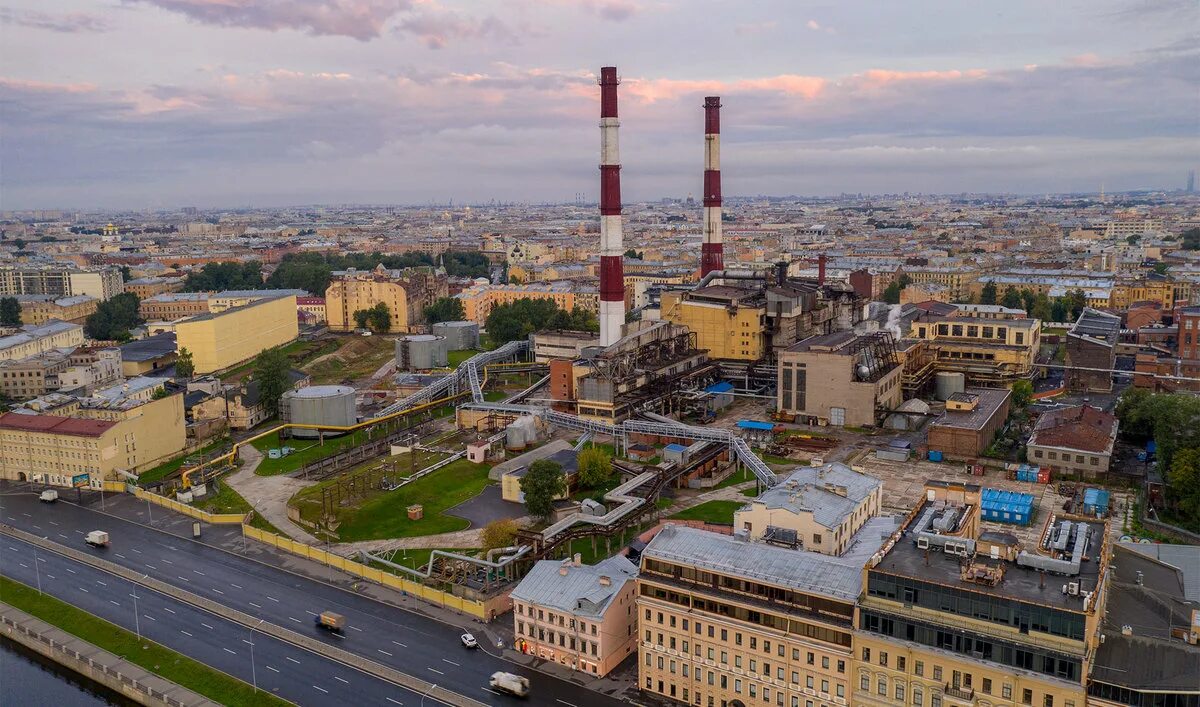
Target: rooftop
(1098, 325)
(53, 424)
(990, 402)
(150, 348)
(1083, 427)
(580, 590)
(830, 493)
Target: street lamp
(253, 672)
(37, 570)
(137, 624)
(423, 694)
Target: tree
(19, 243)
(126, 273)
(10, 312)
(1022, 394)
(271, 374)
(498, 533)
(185, 367)
(1191, 238)
(891, 295)
(520, 318)
(445, 309)
(361, 317)
(1027, 299)
(1183, 484)
(988, 294)
(543, 483)
(635, 255)
(595, 467)
(1012, 298)
(113, 318)
(1132, 240)
(1042, 309)
(1058, 310)
(225, 276)
(380, 318)
(1076, 301)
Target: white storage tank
(947, 383)
(325, 405)
(420, 352)
(459, 335)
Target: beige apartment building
(34, 339)
(146, 287)
(219, 341)
(1075, 443)
(405, 292)
(961, 282)
(817, 508)
(169, 306)
(580, 616)
(39, 309)
(840, 379)
(60, 281)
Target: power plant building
(840, 379)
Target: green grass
(307, 450)
(229, 501)
(298, 353)
(750, 492)
(736, 477)
(455, 358)
(171, 467)
(361, 363)
(419, 556)
(170, 665)
(384, 513)
(720, 512)
(495, 396)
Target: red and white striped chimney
(712, 255)
(612, 247)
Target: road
(410, 642)
(279, 667)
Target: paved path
(269, 494)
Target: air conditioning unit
(1073, 588)
(923, 543)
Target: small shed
(1095, 502)
(675, 453)
(477, 451)
(416, 511)
(1007, 506)
(720, 395)
(756, 430)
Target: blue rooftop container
(1007, 506)
(722, 387)
(1095, 502)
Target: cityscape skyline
(211, 104)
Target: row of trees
(1173, 422)
(114, 318)
(1039, 305)
(546, 480)
(378, 318)
(10, 311)
(520, 318)
(225, 276)
(445, 309)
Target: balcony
(962, 694)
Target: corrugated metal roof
(53, 424)
(578, 592)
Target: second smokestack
(612, 246)
(712, 255)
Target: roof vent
(605, 581)
(563, 570)
(1126, 630)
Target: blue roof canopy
(755, 425)
(722, 387)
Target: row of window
(740, 686)
(717, 653)
(564, 639)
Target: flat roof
(150, 348)
(814, 489)
(990, 402)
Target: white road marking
(110, 601)
(293, 618)
(70, 570)
(167, 561)
(321, 689)
(356, 628)
(310, 613)
(274, 670)
(63, 536)
(235, 586)
(148, 616)
(185, 579)
(218, 591)
(53, 523)
(435, 670)
(136, 550)
(10, 547)
(229, 651)
(168, 610)
(451, 662)
(568, 704)
(342, 679)
(26, 515)
(256, 606)
(102, 584)
(402, 645)
(293, 660)
(273, 599)
(152, 567)
(84, 590)
(384, 652)
(206, 626)
(23, 565)
(246, 640)
(120, 556)
(395, 701)
(185, 633)
(38, 527)
(50, 575)
(198, 572)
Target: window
(1006, 691)
(866, 655)
(917, 696)
(1048, 700)
(987, 685)
(900, 663)
(825, 662)
(937, 672)
(825, 686)
(864, 683)
(841, 666)
(919, 668)
(808, 682)
(841, 690)
(1026, 696)
(935, 700)
(883, 658)
(812, 658)
(900, 693)
(881, 686)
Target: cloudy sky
(149, 103)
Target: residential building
(405, 292)
(219, 341)
(169, 306)
(242, 407)
(60, 281)
(970, 423)
(146, 287)
(33, 339)
(32, 376)
(90, 368)
(1092, 351)
(39, 309)
(576, 615)
(953, 613)
(228, 299)
(961, 281)
(478, 301)
(1074, 442)
(312, 309)
(142, 356)
(817, 508)
(840, 379)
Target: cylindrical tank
(419, 352)
(326, 405)
(514, 438)
(459, 335)
(947, 383)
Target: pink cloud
(1088, 59)
(45, 86)
(879, 78)
(654, 90)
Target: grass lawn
(455, 358)
(307, 450)
(495, 396)
(170, 467)
(711, 512)
(597, 494)
(384, 513)
(736, 477)
(298, 353)
(229, 501)
(215, 685)
(750, 492)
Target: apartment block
(405, 292)
(219, 341)
(146, 287)
(478, 301)
(34, 339)
(170, 306)
(1074, 442)
(39, 309)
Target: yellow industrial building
(405, 292)
(218, 341)
(987, 351)
(729, 322)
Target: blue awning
(755, 425)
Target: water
(32, 681)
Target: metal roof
(808, 490)
(579, 591)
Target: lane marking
(148, 616)
(110, 601)
(321, 689)
(435, 670)
(63, 536)
(70, 570)
(310, 613)
(402, 645)
(198, 572)
(293, 618)
(53, 523)
(50, 575)
(395, 701)
(229, 651)
(136, 550)
(206, 626)
(168, 610)
(166, 561)
(10, 547)
(26, 515)
(23, 565)
(184, 579)
(356, 628)
(568, 704)
(384, 652)
(185, 633)
(152, 567)
(38, 527)
(293, 660)
(246, 640)
(218, 591)
(120, 556)
(84, 590)
(272, 669)
(256, 606)
(451, 662)
(342, 679)
(273, 599)
(102, 584)
(235, 586)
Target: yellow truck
(330, 621)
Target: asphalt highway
(407, 641)
(279, 667)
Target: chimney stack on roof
(712, 256)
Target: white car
(469, 641)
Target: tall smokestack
(821, 269)
(712, 255)
(612, 247)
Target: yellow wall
(479, 301)
(219, 341)
(737, 335)
(57, 457)
(148, 433)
